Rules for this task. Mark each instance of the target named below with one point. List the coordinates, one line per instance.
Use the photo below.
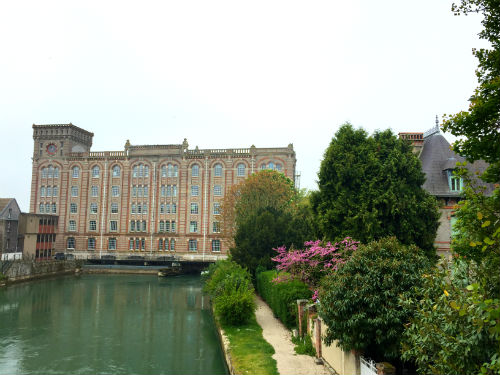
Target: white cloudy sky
(226, 74)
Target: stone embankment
(27, 269)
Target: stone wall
(25, 269)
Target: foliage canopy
(360, 301)
(370, 187)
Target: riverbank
(23, 270)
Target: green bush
(232, 292)
(282, 297)
(303, 345)
(360, 302)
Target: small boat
(174, 269)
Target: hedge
(282, 297)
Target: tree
(480, 124)
(360, 301)
(260, 214)
(370, 188)
(449, 332)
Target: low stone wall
(25, 269)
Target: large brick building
(149, 199)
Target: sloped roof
(437, 157)
(4, 202)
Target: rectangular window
(162, 226)
(146, 191)
(216, 210)
(113, 225)
(216, 246)
(92, 225)
(73, 208)
(134, 191)
(94, 191)
(49, 191)
(172, 226)
(115, 191)
(162, 208)
(160, 244)
(91, 243)
(112, 243)
(144, 225)
(169, 191)
(139, 208)
(143, 244)
(114, 208)
(132, 225)
(137, 244)
(93, 208)
(216, 227)
(74, 191)
(163, 191)
(174, 208)
(54, 191)
(42, 191)
(54, 208)
(133, 208)
(456, 184)
(193, 245)
(139, 191)
(167, 226)
(194, 190)
(71, 243)
(193, 226)
(194, 208)
(172, 244)
(41, 209)
(131, 244)
(217, 190)
(72, 225)
(145, 208)
(174, 190)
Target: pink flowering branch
(314, 261)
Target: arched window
(195, 170)
(50, 171)
(270, 165)
(241, 169)
(95, 171)
(164, 171)
(47, 207)
(41, 209)
(141, 170)
(279, 167)
(146, 171)
(218, 170)
(116, 171)
(44, 172)
(170, 168)
(135, 171)
(56, 172)
(263, 166)
(76, 172)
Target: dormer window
(454, 182)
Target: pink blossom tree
(314, 261)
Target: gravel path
(275, 333)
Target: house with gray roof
(9, 222)
(438, 163)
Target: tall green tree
(370, 187)
(479, 126)
(264, 212)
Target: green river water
(108, 324)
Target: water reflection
(108, 324)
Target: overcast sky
(227, 74)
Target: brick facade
(129, 196)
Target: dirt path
(275, 333)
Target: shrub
(232, 292)
(281, 297)
(236, 304)
(360, 303)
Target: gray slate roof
(436, 158)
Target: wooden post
(300, 305)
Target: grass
(304, 345)
(250, 353)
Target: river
(108, 324)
